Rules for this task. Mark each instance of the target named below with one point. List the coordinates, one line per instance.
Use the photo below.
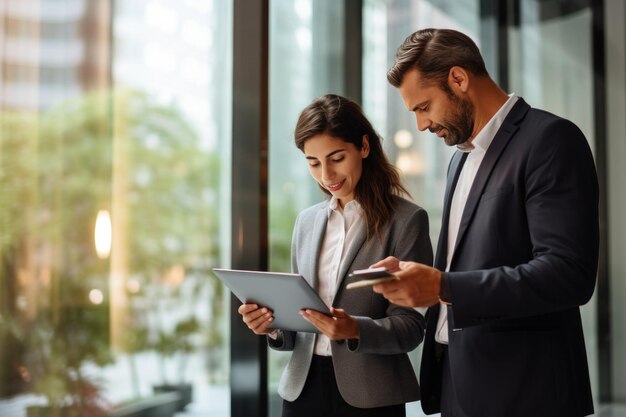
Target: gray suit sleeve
(402, 330)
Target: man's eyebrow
(417, 106)
(327, 156)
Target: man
(518, 250)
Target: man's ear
(365, 147)
(458, 79)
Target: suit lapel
(317, 239)
(456, 165)
(501, 139)
(353, 250)
(458, 159)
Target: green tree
(56, 172)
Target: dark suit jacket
(525, 260)
(375, 371)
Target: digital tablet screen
(284, 294)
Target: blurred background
(144, 142)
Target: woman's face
(336, 165)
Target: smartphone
(369, 277)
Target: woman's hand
(340, 326)
(256, 318)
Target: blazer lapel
(351, 253)
(317, 239)
(458, 159)
(502, 138)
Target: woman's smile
(336, 186)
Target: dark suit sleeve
(402, 330)
(560, 211)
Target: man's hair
(433, 52)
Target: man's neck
(487, 98)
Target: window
(550, 41)
(114, 205)
(420, 156)
(305, 62)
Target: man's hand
(418, 285)
(390, 263)
(340, 326)
(256, 318)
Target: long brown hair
(342, 118)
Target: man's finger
(390, 263)
(388, 287)
(338, 312)
(403, 264)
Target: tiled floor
(211, 401)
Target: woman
(358, 365)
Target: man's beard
(460, 124)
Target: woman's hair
(433, 52)
(342, 118)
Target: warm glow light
(133, 286)
(403, 139)
(96, 296)
(175, 275)
(411, 163)
(102, 234)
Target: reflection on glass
(403, 139)
(101, 315)
(420, 156)
(551, 66)
(102, 234)
(305, 62)
(96, 296)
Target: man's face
(438, 109)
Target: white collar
(484, 138)
(333, 205)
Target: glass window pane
(305, 62)
(613, 334)
(421, 158)
(551, 66)
(114, 205)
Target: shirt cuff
(353, 345)
(444, 290)
(275, 339)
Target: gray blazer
(373, 371)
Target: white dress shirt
(477, 151)
(341, 229)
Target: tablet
(284, 294)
